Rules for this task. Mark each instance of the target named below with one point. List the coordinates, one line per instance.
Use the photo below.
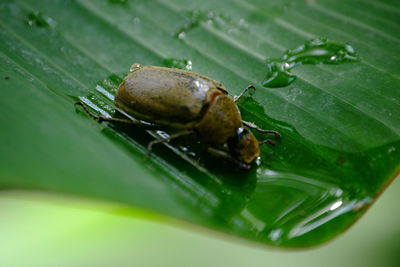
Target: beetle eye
(241, 132)
(234, 141)
(244, 146)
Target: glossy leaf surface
(340, 124)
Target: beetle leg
(165, 140)
(236, 98)
(255, 127)
(269, 141)
(100, 118)
(227, 156)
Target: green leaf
(340, 124)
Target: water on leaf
(316, 51)
(277, 218)
(193, 19)
(184, 64)
(119, 2)
(212, 19)
(269, 203)
(37, 19)
(136, 20)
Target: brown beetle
(188, 103)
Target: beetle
(188, 103)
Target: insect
(188, 103)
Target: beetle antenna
(269, 141)
(258, 129)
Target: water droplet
(191, 154)
(182, 35)
(134, 67)
(335, 205)
(184, 64)
(278, 74)
(275, 234)
(316, 51)
(243, 23)
(163, 134)
(195, 17)
(184, 149)
(211, 15)
(119, 2)
(136, 20)
(38, 19)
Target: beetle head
(244, 146)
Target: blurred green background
(45, 230)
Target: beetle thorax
(220, 121)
